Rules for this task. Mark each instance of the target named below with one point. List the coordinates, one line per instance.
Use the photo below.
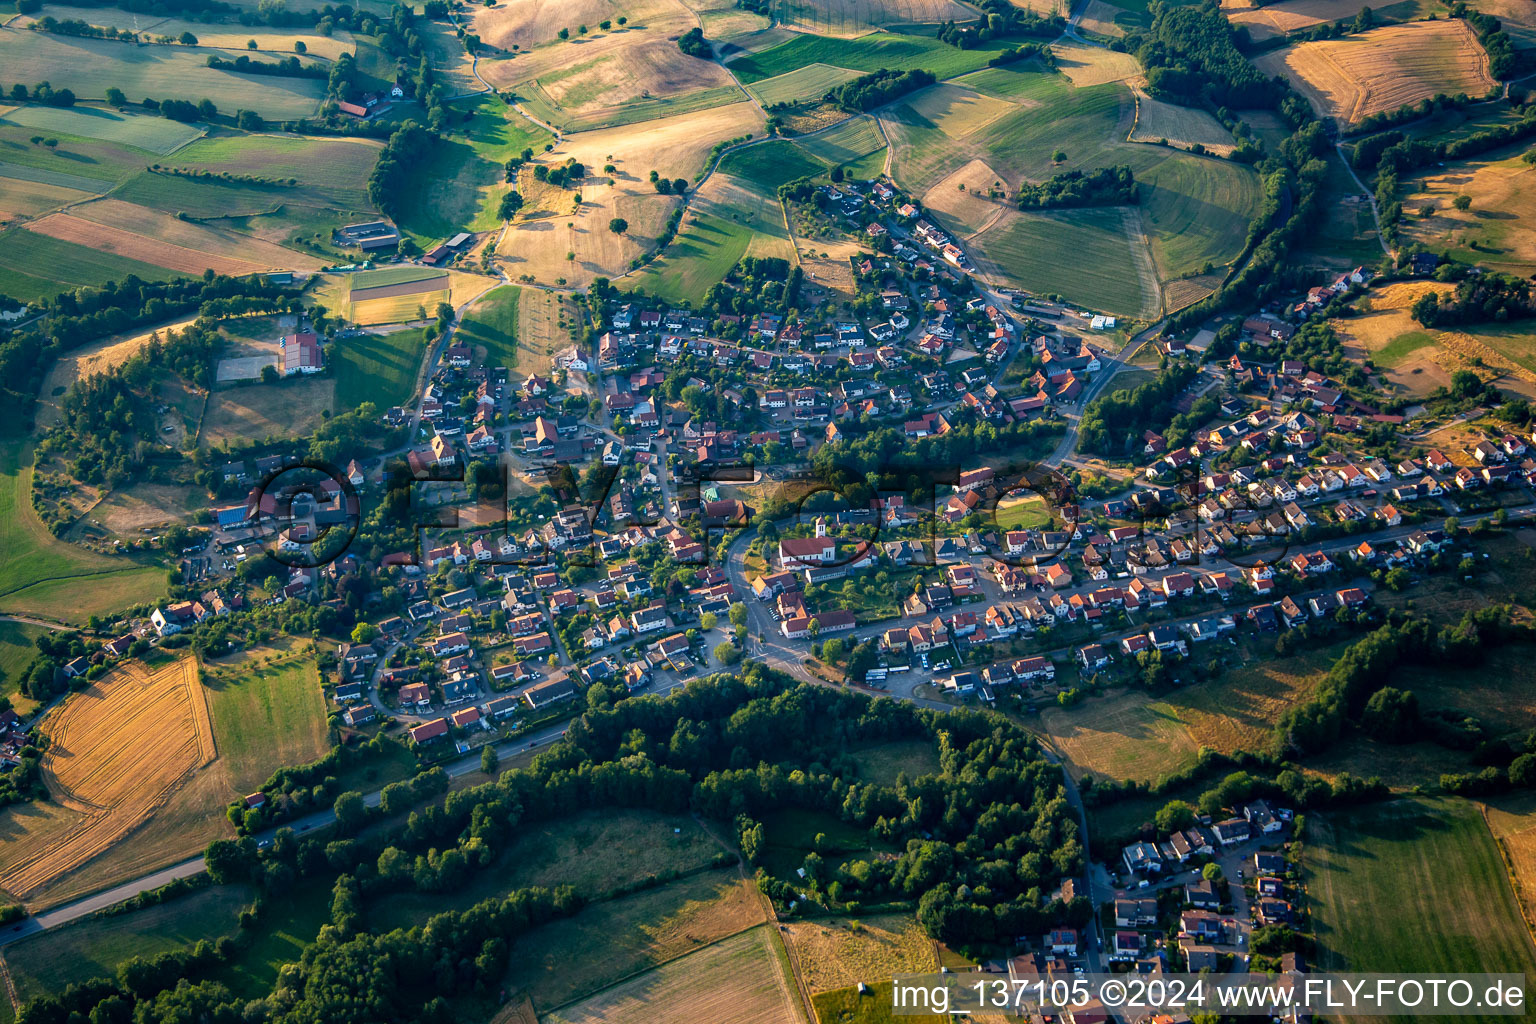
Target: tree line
(291, 67)
(395, 169)
(877, 88)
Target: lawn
(42, 575)
(91, 66)
(1024, 514)
(267, 711)
(1401, 347)
(16, 654)
(596, 852)
(874, 52)
(491, 324)
(1410, 886)
(34, 266)
(155, 134)
(93, 947)
(882, 764)
(377, 368)
(771, 164)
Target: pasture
(377, 368)
(833, 953)
(727, 220)
(771, 164)
(16, 656)
(158, 135)
(740, 980)
(1131, 735)
(1435, 863)
(94, 947)
(596, 852)
(267, 711)
(44, 576)
(808, 83)
(490, 328)
(116, 753)
(1354, 77)
(1498, 230)
(292, 407)
(91, 66)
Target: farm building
(367, 236)
(300, 353)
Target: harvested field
(97, 357)
(1289, 16)
(287, 408)
(34, 266)
(1099, 19)
(958, 111)
(1352, 78)
(1182, 127)
(837, 954)
(1512, 820)
(827, 267)
(1094, 65)
(214, 241)
(130, 511)
(22, 199)
(117, 752)
(435, 283)
(67, 227)
(1499, 230)
(533, 23)
(277, 42)
(969, 210)
(742, 980)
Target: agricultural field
(807, 83)
(157, 135)
(1087, 66)
(1270, 21)
(1193, 209)
(1131, 735)
(1435, 862)
(727, 25)
(855, 17)
(270, 43)
(1499, 230)
(601, 79)
(490, 328)
(1354, 77)
(26, 255)
(726, 221)
(873, 52)
(771, 164)
(1512, 820)
(91, 66)
(1182, 127)
(846, 142)
(43, 576)
(740, 980)
(392, 300)
(116, 754)
(552, 244)
(377, 368)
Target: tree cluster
(291, 67)
(1107, 186)
(877, 88)
(1115, 421)
(406, 150)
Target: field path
(1141, 253)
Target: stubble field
(1352, 78)
(116, 753)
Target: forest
(1107, 186)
